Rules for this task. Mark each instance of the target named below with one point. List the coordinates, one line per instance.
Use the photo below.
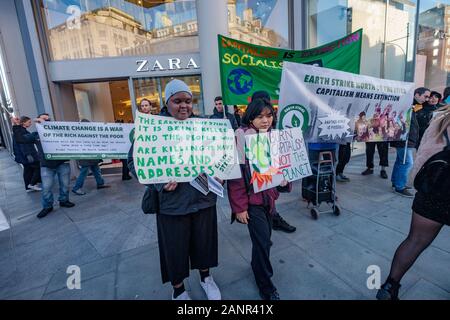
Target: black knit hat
(261, 95)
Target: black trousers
(260, 228)
(383, 150)
(344, 157)
(188, 238)
(31, 173)
(125, 170)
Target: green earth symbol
(240, 81)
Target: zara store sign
(170, 64)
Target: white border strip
(4, 225)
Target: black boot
(278, 223)
(389, 290)
(44, 212)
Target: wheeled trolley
(321, 186)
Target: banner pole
(406, 150)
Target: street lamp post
(405, 53)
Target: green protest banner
(246, 68)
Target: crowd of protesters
(187, 219)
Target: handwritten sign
(167, 150)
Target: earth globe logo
(240, 81)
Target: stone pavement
(115, 245)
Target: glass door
(107, 101)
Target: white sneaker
(183, 296)
(211, 289)
(35, 187)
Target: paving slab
(299, 277)
(102, 287)
(424, 290)
(87, 271)
(139, 277)
(112, 234)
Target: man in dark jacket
(237, 116)
(219, 111)
(404, 161)
(49, 169)
(425, 114)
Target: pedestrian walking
(85, 166)
(430, 210)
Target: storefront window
(81, 29)
(261, 22)
(6, 106)
(103, 101)
(388, 32)
(153, 89)
(433, 46)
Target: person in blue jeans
(50, 169)
(87, 165)
(62, 171)
(401, 171)
(402, 168)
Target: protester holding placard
(50, 169)
(278, 222)
(256, 209)
(187, 219)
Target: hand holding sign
(171, 186)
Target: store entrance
(104, 101)
(107, 101)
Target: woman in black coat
(26, 154)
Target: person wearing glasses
(220, 110)
(404, 161)
(425, 115)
